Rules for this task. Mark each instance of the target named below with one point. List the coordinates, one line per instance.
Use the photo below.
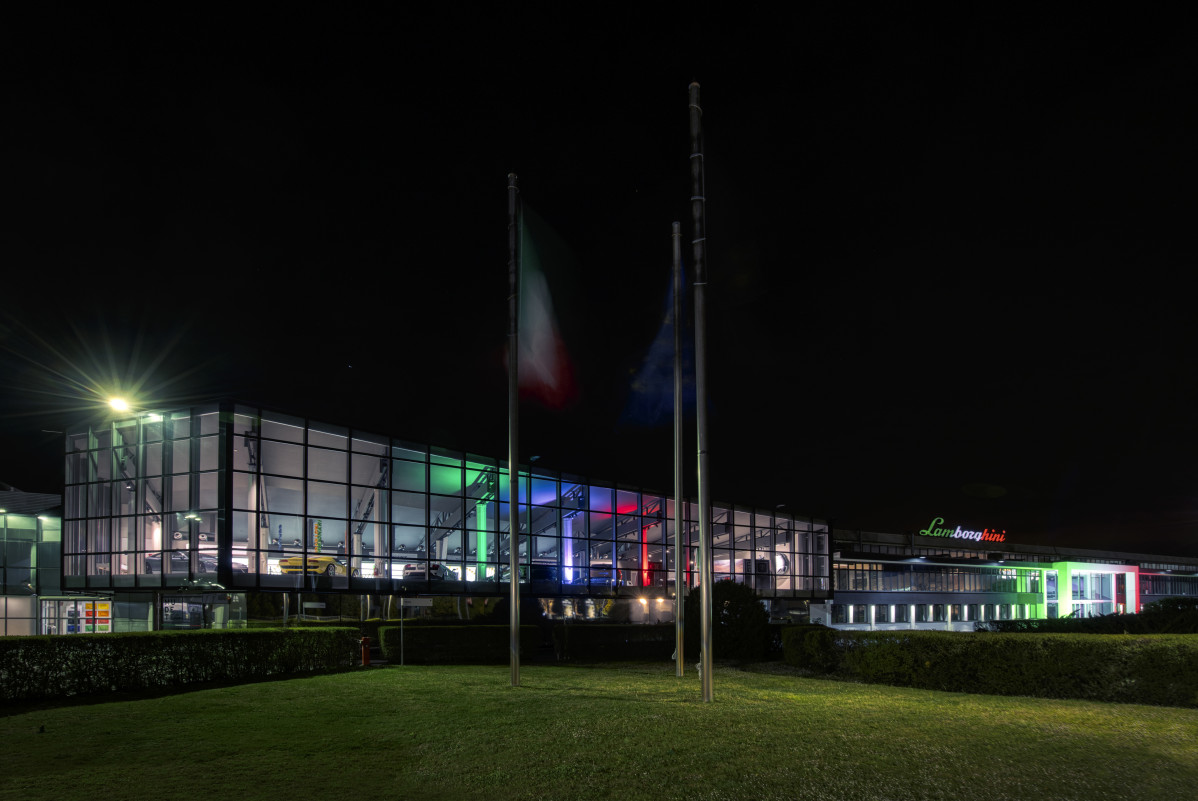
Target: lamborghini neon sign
(958, 533)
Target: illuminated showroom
(188, 518)
(230, 498)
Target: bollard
(365, 652)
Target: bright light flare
(88, 368)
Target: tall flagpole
(700, 283)
(680, 560)
(513, 417)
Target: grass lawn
(611, 732)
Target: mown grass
(629, 732)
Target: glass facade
(29, 564)
(29, 552)
(240, 497)
(1154, 587)
(934, 578)
(1086, 589)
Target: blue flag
(651, 394)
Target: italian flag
(545, 370)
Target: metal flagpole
(513, 406)
(680, 559)
(700, 283)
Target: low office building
(30, 556)
(33, 601)
(948, 579)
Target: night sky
(950, 253)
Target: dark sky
(950, 253)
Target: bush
(809, 646)
(1157, 669)
(33, 668)
(740, 626)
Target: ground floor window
(901, 613)
(16, 615)
(76, 617)
(204, 611)
(921, 613)
(860, 614)
(937, 613)
(840, 613)
(881, 613)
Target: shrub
(740, 625)
(810, 646)
(47, 667)
(1155, 669)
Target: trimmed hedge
(33, 668)
(456, 645)
(427, 644)
(600, 642)
(1158, 669)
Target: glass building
(206, 516)
(225, 499)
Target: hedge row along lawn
(627, 732)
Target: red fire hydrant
(365, 652)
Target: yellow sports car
(313, 565)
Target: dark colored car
(435, 571)
(541, 574)
(180, 560)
